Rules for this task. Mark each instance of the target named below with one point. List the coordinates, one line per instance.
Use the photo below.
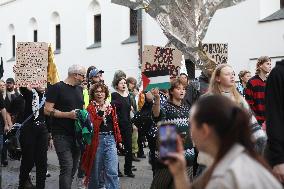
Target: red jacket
(90, 151)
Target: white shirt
(237, 170)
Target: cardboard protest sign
(31, 64)
(217, 52)
(161, 58)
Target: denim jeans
(68, 153)
(106, 162)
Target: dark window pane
(133, 22)
(282, 4)
(97, 28)
(190, 68)
(13, 45)
(58, 37)
(35, 35)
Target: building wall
(76, 20)
(248, 38)
(238, 26)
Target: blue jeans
(68, 153)
(106, 162)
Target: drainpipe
(140, 43)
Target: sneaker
(80, 183)
(28, 185)
(129, 174)
(48, 174)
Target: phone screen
(167, 140)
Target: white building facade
(115, 49)
(244, 27)
(251, 29)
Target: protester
(33, 138)
(121, 100)
(136, 145)
(3, 88)
(255, 88)
(144, 121)
(197, 87)
(3, 121)
(174, 111)
(244, 76)
(63, 98)
(274, 102)
(223, 83)
(184, 79)
(101, 155)
(96, 76)
(14, 104)
(225, 135)
(88, 79)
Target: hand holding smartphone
(167, 140)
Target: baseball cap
(10, 80)
(95, 72)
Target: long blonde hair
(214, 86)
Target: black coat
(274, 102)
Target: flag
(156, 79)
(52, 74)
(1, 68)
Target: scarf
(90, 150)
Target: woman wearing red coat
(100, 157)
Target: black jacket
(195, 89)
(274, 102)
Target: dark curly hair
(95, 87)
(116, 81)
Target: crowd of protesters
(221, 128)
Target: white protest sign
(31, 64)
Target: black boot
(129, 174)
(27, 185)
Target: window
(281, 4)
(35, 35)
(13, 46)
(58, 37)
(97, 28)
(133, 22)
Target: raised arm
(156, 106)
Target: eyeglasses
(99, 92)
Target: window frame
(57, 37)
(13, 45)
(97, 28)
(35, 35)
(133, 23)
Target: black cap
(10, 80)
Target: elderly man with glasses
(62, 99)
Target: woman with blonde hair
(224, 134)
(223, 82)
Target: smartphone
(167, 140)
